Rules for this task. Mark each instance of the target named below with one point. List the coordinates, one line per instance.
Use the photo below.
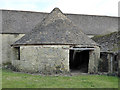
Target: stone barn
(108, 62)
(56, 45)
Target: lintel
(81, 49)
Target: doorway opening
(103, 63)
(78, 60)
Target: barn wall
(110, 63)
(94, 60)
(8, 52)
(43, 59)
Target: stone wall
(94, 60)
(44, 59)
(48, 59)
(8, 52)
(110, 63)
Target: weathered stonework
(49, 59)
(47, 48)
(43, 59)
(110, 62)
(8, 52)
(94, 60)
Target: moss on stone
(109, 41)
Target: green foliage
(21, 80)
(8, 63)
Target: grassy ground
(0, 78)
(21, 80)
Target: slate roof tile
(56, 28)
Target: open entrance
(103, 62)
(78, 60)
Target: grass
(0, 78)
(21, 80)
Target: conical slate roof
(56, 28)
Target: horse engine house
(56, 45)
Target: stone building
(108, 62)
(56, 45)
(109, 54)
(31, 41)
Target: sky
(90, 7)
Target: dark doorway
(103, 62)
(79, 60)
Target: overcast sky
(91, 7)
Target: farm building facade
(52, 42)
